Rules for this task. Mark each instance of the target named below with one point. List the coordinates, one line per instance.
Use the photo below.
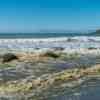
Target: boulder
(8, 57)
(51, 54)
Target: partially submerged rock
(51, 54)
(8, 57)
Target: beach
(49, 69)
(49, 50)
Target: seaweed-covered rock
(52, 54)
(9, 57)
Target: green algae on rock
(55, 80)
(8, 57)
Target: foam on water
(63, 42)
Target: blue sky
(35, 15)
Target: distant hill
(96, 33)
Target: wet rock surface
(37, 80)
(8, 57)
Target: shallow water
(90, 89)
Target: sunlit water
(88, 91)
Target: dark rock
(72, 40)
(92, 48)
(58, 48)
(51, 54)
(8, 57)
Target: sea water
(75, 42)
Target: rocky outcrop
(8, 57)
(71, 78)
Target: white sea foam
(77, 42)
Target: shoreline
(91, 51)
(32, 72)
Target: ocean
(48, 40)
(40, 35)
